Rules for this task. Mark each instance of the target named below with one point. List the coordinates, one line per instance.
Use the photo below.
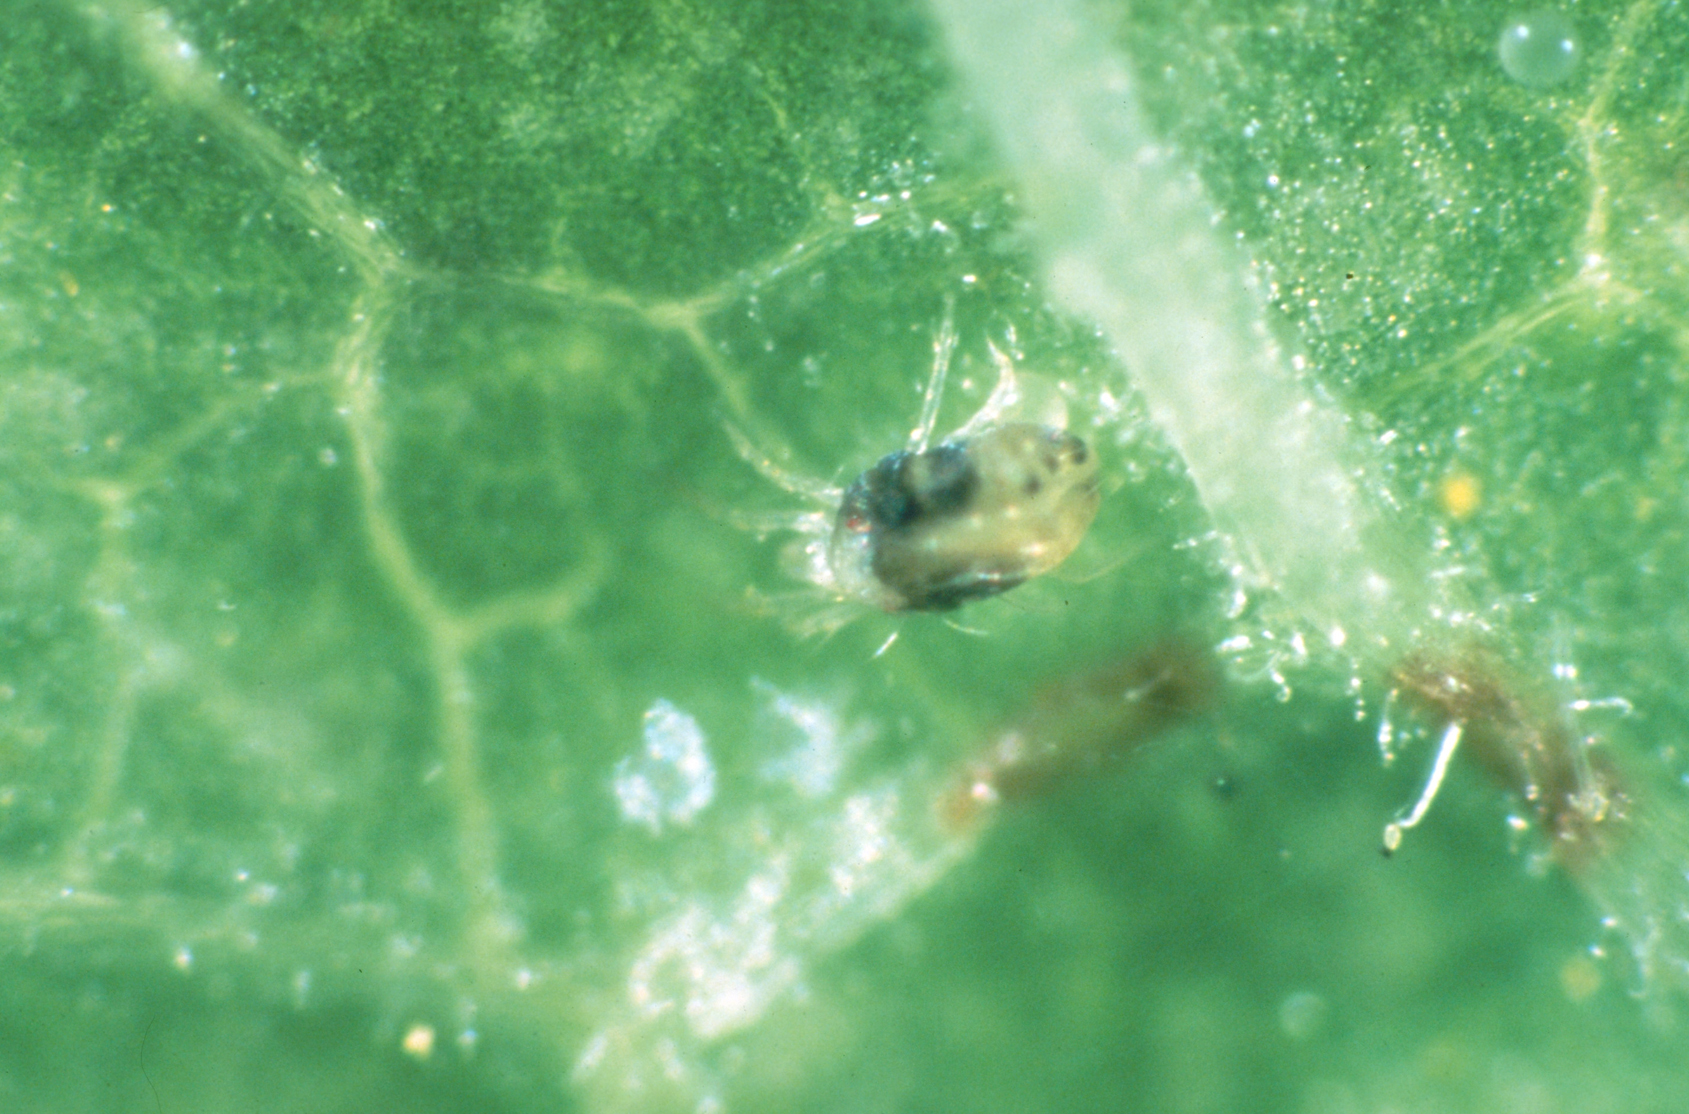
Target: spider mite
(1520, 740)
(1082, 726)
(1004, 498)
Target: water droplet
(1539, 49)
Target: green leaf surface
(377, 383)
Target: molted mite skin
(1521, 741)
(1084, 725)
(966, 519)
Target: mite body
(1005, 498)
(965, 519)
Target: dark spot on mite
(877, 496)
(964, 586)
(906, 491)
(1033, 486)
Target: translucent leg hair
(1439, 769)
(942, 346)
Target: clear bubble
(1539, 49)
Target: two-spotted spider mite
(1006, 497)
